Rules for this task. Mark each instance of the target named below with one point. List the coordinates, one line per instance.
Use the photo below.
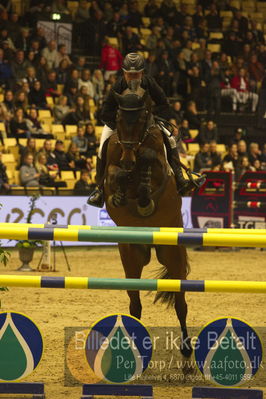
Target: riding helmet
(133, 62)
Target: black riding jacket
(162, 106)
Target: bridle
(129, 144)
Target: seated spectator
(42, 70)
(81, 113)
(61, 157)
(73, 155)
(82, 186)
(81, 141)
(256, 69)
(5, 117)
(243, 93)
(9, 102)
(254, 152)
(166, 73)
(30, 148)
(28, 174)
(62, 55)
(19, 66)
(5, 37)
(5, 70)
(73, 81)
(131, 41)
(61, 109)
(4, 184)
(21, 101)
(208, 132)
(30, 76)
(213, 19)
(98, 84)
(37, 96)
(232, 157)
(203, 159)
(215, 156)
(47, 179)
(23, 40)
(35, 126)
(111, 60)
(72, 95)
(242, 149)
(62, 72)
(257, 165)
(51, 54)
(179, 114)
(85, 80)
(92, 140)
(18, 125)
(47, 150)
(184, 132)
(191, 114)
(226, 89)
(51, 85)
(242, 167)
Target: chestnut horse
(140, 190)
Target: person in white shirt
(51, 54)
(85, 81)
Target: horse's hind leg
(134, 257)
(174, 259)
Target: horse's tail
(168, 297)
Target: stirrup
(192, 184)
(96, 198)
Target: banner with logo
(64, 210)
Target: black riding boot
(184, 186)
(97, 198)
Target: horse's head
(133, 115)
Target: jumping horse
(140, 190)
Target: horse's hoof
(186, 348)
(115, 201)
(147, 210)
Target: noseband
(129, 144)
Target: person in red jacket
(243, 94)
(111, 60)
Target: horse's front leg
(119, 179)
(145, 203)
(133, 258)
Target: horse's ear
(118, 97)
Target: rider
(133, 69)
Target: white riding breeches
(108, 132)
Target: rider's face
(132, 76)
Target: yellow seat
(47, 127)
(69, 178)
(248, 6)
(39, 143)
(23, 142)
(60, 88)
(9, 161)
(18, 190)
(91, 102)
(1, 97)
(195, 45)
(221, 148)
(98, 131)
(145, 32)
(58, 131)
(214, 48)
(226, 14)
(44, 113)
(216, 35)
(235, 4)
(16, 177)
(71, 130)
(193, 133)
(50, 101)
(135, 30)
(10, 142)
(113, 41)
(11, 176)
(3, 128)
(193, 148)
(146, 21)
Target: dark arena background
(58, 62)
